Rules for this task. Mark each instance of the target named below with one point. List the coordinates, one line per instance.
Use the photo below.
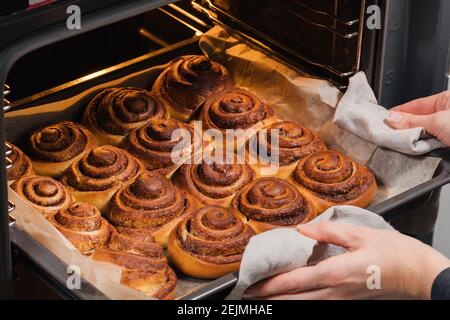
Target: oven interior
(328, 42)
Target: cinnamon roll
(234, 108)
(45, 194)
(188, 82)
(144, 265)
(114, 112)
(21, 164)
(213, 184)
(153, 144)
(150, 202)
(330, 178)
(55, 147)
(83, 225)
(294, 143)
(210, 243)
(269, 203)
(99, 174)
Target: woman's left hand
(406, 267)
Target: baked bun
(269, 203)
(150, 202)
(54, 148)
(21, 164)
(144, 266)
(294, 143)
(188, 82)
(235, 108)
(213, 184)
(114, 112)
(152, 144)
(83, 225)
(210, 243)
(99, 174)
(330, 178)
(45, 194)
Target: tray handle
(216, 287)
(438, 181)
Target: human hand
(431, 113)
(408, 267)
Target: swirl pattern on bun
(83, 225)
(268, 203)
(151, 202)
(331, 178)
(294, 143)
(153, 145)
(188, 82)
(45, 194)
(55, 147)
(114, 112)
(21, 164)
(99, 174)
(235, 108)
(210, 243)
(213, 184)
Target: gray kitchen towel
(358, 112)
(282, 250)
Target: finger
(348, 236)
(400, 120)
(428, 105)
(302, 279)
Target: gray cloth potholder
(358, 112)
(282, 250)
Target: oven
(42, 60)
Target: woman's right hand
(431, 113)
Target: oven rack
(8, 148)
(335, 23)
(338, 27)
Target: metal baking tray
(53, 270)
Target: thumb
(347, 236)
(401, 120)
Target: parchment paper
(293, 96)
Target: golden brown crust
(83, 225)
(96, 176)
(294, 143)
(53, 148)
(21, 164)
(144, 265)
(331, 178)
(114, 112)
(188, 82)
(153, 145)
(269, 203)
(150, 202)
(210, 243)
(45, 194)
(235, 108)
(213, 184)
